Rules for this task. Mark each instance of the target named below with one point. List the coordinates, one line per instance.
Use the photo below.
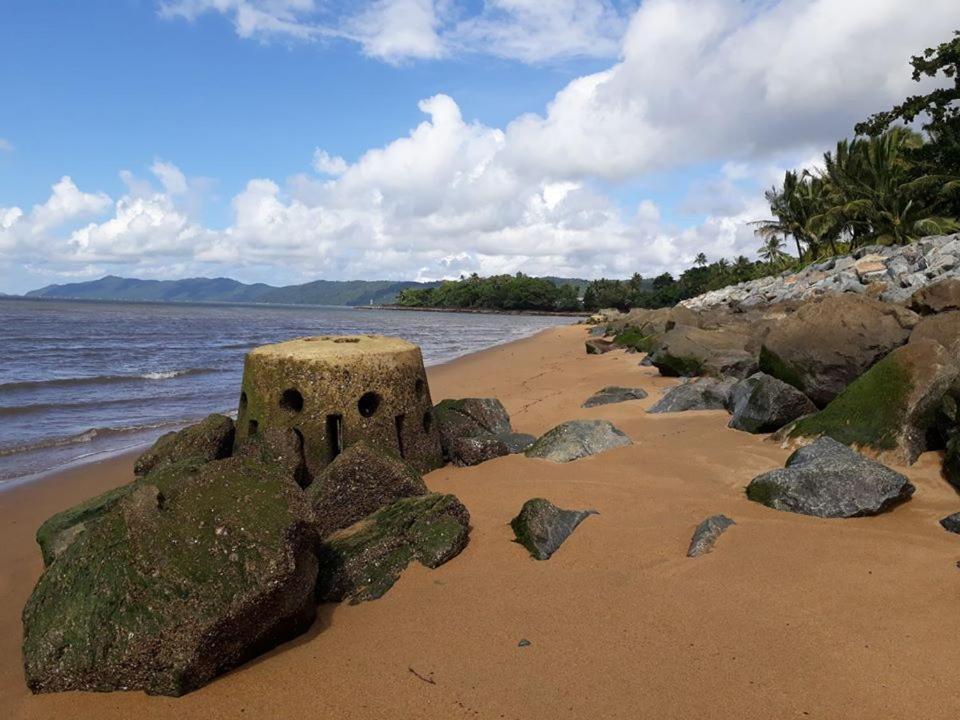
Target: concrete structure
(338, 390)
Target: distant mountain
(319, 292)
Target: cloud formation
(746, 89)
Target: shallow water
(82, 379)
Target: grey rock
(474, 450)
(541, 527)
(829, 480)
(732, 363)
(646, 362)
(577, 439)
(762, 404)
(469, 417)
(516, 442)
(598, 331)
(614, 394)
(706, 534)
(599, 346)
(699, 394)
(951, 523)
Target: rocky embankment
(891, 274)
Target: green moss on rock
(771, 364)
(363, 561)
(210, 439)
(633, 338)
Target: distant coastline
(478, 311)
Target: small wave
(88, 436)
(104, 379)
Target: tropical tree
(700, 260)
(771, 252)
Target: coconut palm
(771, 252)
(700, 260)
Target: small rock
(465, 452)
(951, 523)
(762, 404)
(541, 527)
(706, 534)
(599, 346)
(699, 394)
(613, 394)
(524, 643)
(576, 439)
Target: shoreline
(788, 615)
(479, 311)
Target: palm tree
(700, 260)
(771, 252)
(792, 207)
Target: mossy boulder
(210, 439)
(829, 480)
(762, 404)
(358, 482)
(634, 339)
(473, 430)
(541, 527)
(826, 345)
(577, 439)
(363, 561)
(937, 297)
(687, 351)
(890, 410)
(194, 571)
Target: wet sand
(788, 617)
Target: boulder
(541, 527)
(829, 480)
(826, 345)
(700, 394)
(475, 450)
(951, 523)
(732, 363)
(358, 482)
(634, 340)
(937, 297)
(762, 404)
(645, 322)
(516, 442)
(943, 327)
(614, 394)
(577, 439)
(706, 534)
(892, 408)
(599, 346)
(684, 351)
(363, 561)
(469, 417)
(194, 571)
(210, 439)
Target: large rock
(364, 560)
(646, 323)
(541, 527)
(468, 451)
(892, 408)
(614, 394)
(706, 534)
(685, 351)
(700, 394)
(762, 404)
(829, 480)
(358, 482)
(576, 439)
(468, 418)
(937, 297)
(944, 328)
(197, 569)
(826, 345)
(599, 346)
(210, 439)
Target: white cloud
(327, 164)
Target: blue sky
(286, 140)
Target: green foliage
(499, 292)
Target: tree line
(498, 292)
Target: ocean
(80, 380)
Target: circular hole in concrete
(368, 404)
(419, 386)
(291, 400)
(427, 421)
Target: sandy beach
(790, 616)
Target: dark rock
(469, 451)
(541, 527)
(700, 394)
(613, 394)
(937, 297)
(599, 346)
(827, 479)
(893, 407)
(762, 404)
(951, 461)
(469, 417)
(358, 482)
(951, 523)
(364, 560)
(732, 363)
(576, 439)
(826, 345)
(686, 351)
(191, 573)
(524, 643)
(210, 439)
(706, 534)
(516, 442)
(646, 362)
(597, 331)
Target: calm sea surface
(79, 380)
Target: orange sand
(789, 616)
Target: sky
(284, 141)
